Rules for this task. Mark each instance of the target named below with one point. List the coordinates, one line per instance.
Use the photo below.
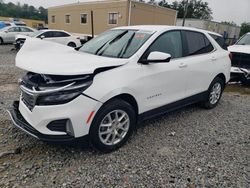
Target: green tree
(245, 28)
(196, 9)
(22, 11)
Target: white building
(228, 31)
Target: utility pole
(185, 13)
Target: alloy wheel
(114, 127)
(215, 93)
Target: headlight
(61, 97)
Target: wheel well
(222, 76)
(71, 43)
(129, 99)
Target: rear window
(197, 43)
(220, 40)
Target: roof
(88, 2)
(159, 28)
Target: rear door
(200, 62)
(26, 31)
(61, 37)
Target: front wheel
(214, 93)
(112, 125)
(1, 41)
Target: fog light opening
(69, 128)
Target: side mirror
(6, 31)
(157, 57)
(42, 37)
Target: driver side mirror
(157, 57)
(6, 31)
(42, 37)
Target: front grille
(29, 100)
(241, 60)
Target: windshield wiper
(124, 49)
(108, 43)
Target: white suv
(120, 78)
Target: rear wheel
(112, 126)
(72, 44)
(214, 93)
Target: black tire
(208, 103)
(1, 41)
(109, 108)
(72, 44)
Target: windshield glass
(36, 33)
(245, 40)
(117, 43)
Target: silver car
(7, 34)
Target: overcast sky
(223, 10)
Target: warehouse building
(94, 17)
(28, 22)
(229, 32)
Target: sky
(223, 10)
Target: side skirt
(172, 106)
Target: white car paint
(8, 34)
(152, 85)
(61, 40)
(244, 49)
(42, 52)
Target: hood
(240, 49)
(45, 57)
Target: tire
(72, 44)
(107, 133)
(1, 41)
(214, 93)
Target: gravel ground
(189, 148)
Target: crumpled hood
(240, 49)
(45, 57)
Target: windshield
(36, 33)
(117, 43)
(245, 40)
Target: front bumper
(36, 122)
(238, 74)
(19, 121)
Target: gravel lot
(189, 148)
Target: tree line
(23, 11)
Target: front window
(67, 19)
(113, 18)
(245, 40)
(117, 43)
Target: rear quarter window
(197, 43)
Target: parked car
(115, 81)
(219, 39)
(7, 34)
(240, 70)
(57, 36)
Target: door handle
(183, 65)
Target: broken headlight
(38, 89)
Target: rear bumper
(22, 124)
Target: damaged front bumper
(19, 121)
(239, 74)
